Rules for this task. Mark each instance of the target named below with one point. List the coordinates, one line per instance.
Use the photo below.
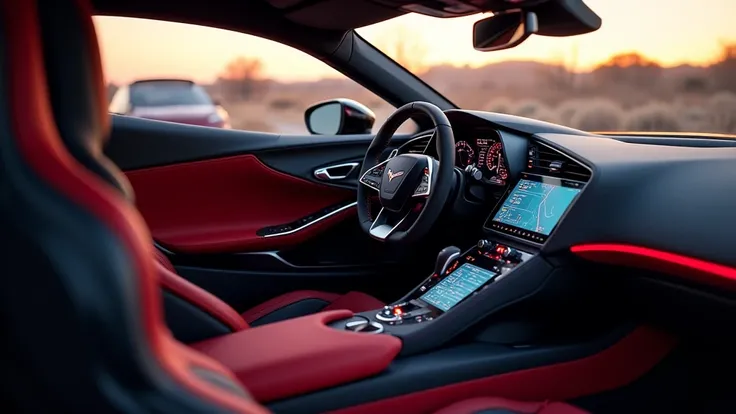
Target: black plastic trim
(304, 222)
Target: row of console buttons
(424, 185)
(396, 315)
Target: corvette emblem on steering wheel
(392, 175)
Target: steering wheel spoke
(386, 223)
(373, 176)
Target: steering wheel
(411, 188)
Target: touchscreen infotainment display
(458, 285)
(535, 205)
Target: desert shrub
(693, 118)
(501, 105)
(598, 115)
(529, 109)
(566, 111)
(722, 110)
(282, 104)
(547, 115)
(654, 117)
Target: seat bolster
(199, 297)
(356, 302)
(282, 301)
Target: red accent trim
(218, 205)
(476, 405)
(200, 298)
(164, 261)
(301, 355)
(40, 146)
(356, 302)
(286, 299)
(645, 258)
(612, 368)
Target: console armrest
(300, 355)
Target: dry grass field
(626, 93)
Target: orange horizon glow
(684, 32)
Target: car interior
(487, 263)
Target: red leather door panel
(218, 205)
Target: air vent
(416, 145)
(547, 161)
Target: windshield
(167, 93)
(648, 68)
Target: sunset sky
(669, 31)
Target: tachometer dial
(464, 154)
(496, 165)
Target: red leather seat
(504, 406)
(289, 305)
(72, 70)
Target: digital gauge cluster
(482, 158)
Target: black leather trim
(189, 323)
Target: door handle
(335, 172)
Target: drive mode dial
(387, 315)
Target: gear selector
(445, 258)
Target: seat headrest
(76, 86)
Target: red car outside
(172, 100)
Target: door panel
(220, 205)
(206, 193)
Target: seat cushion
(504, 406)
(305, 302)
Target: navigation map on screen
(465, 280)
(535, 206)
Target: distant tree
(724, 70)
(630, 69)
(406, 47)
(241, 78)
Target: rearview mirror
(339, 117)
(504, 30)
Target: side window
(205, 76)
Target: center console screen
(458, 285)
(532, 209)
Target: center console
(456, 279)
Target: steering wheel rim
(439, 183)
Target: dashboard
(660, 213)
(523, 186)
(652, 191)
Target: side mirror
(504, 30)
(339, 117)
